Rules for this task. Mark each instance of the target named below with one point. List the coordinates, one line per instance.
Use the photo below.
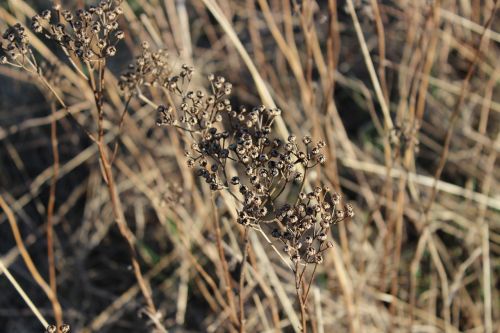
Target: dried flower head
(90, 34)
(64, 328)
(305, 225)
(222, 135)
(235, 149)
(149, 69)
(51, 329)
(15, 46)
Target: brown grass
(406, 96)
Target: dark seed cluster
(270, 165)
(151, 68)
(15, 46)
(231, 149)
(90, 34)
(304, 226)
(235, 149)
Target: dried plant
(231, 149)
(149, 69)
(15, 44)
(236, 150)
(88, 38)
(90, 34)
(403, 93)
(64, 328)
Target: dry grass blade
(27, 259)
(24, 296)
(241, 215)
(261, 86)
(458, 105)
(369, 65)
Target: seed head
(111, 50)
(65, 328)
(51, 329)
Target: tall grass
(109, 221)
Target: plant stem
(298, 283)
(225, 269)
(27, 258)
(116, 204)
(311, 281)
(302, 311)
(242, 280)
(50, 216)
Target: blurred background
(406, 95)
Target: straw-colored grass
(406, 96)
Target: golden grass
(376, 80)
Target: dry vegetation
(104, 225)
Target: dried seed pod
(51, 329)
(322, 237)
(120, 34)
(318, 259)
(65, 328)
(45, 14)
(110, 50)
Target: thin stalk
(120, 127)
(116, 204)
(300, 299)
(311, 281)
(61, 101)
(50, 215)
(27, 258)
(242, 280)
(225, 268)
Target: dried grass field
(249, 166)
